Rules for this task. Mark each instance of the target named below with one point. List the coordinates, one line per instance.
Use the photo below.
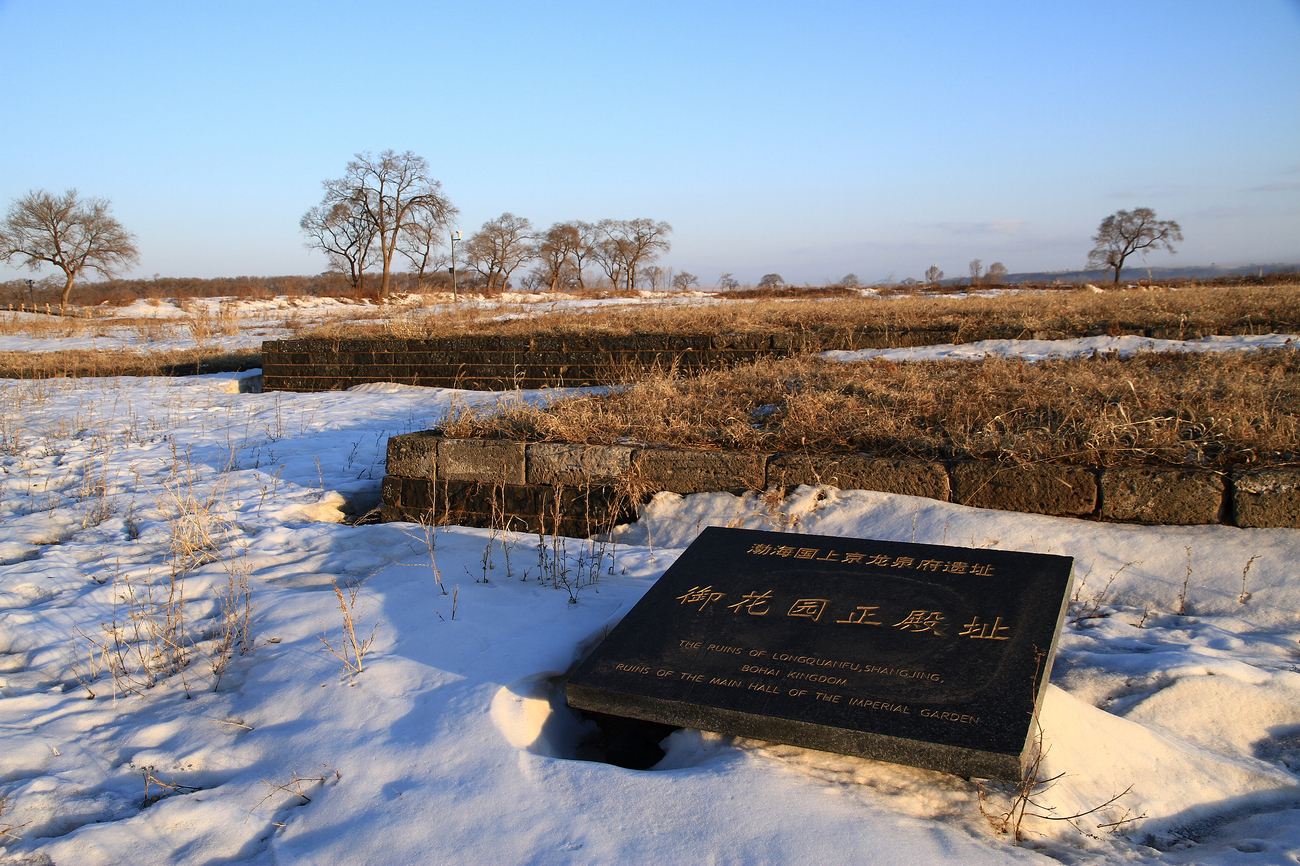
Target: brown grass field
(1209, 410)
(1189, 311)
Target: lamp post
(455, 236)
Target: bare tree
(646, 239)
(997, 273)
(389, 192)
(558, 251)
(976, 267)
(652, 277)
(628, 245)
(685, 280)
(849, 281)
(770, 281)
(345, 235)
(610, 252)
(727, 281)
(71, 234)
(499, 247)
(933, 275)
(423, 238)
(1124, 233)
(584, 249)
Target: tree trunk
(67, 291)
(387, 253)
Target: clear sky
(807, 138)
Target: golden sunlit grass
(1209, 410)
(1182, 312)
(95, 362)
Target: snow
(1040, 350)
(234, 324)
(1176, 690)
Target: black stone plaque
(918, 654)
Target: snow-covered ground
(1039, 350)
(1176, 688)
(230, 324)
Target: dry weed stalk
(1020, 795)
(1182, 593)
(429, 538)
(144, 642)
(1245, 596)
(1092, 609)
(1020, 803)
(233, 634)
(165, 789)
(349, 649)
(148, 637)
(297, 787)
(6, 829)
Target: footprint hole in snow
(532, 715)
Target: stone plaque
(918, 654)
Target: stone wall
(493, 363)
(504, 363)
(580, 489)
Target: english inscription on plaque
(931, 656)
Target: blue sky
(809, 139)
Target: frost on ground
(143, 522)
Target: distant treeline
(333, 284)
(329, 284)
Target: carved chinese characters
(918, 654)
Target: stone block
(576, 465)
(416, 492)
(488, 460)
(391, 490)
(413, 455)
(685, 471)
(1148, 494)
(1037, 489)
(1266, 498)
(860, 472)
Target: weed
(1091, 609)
(1182, 593)
(1245, 596)
(6, 829)
(1020, 803)
(164, 789)
(429, 538)
(144, 642)
(350, 649)
(235, 605)
(297, 787)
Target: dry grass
(1186, 312)
(350, 649)
(88, 362)
(1156, 408)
